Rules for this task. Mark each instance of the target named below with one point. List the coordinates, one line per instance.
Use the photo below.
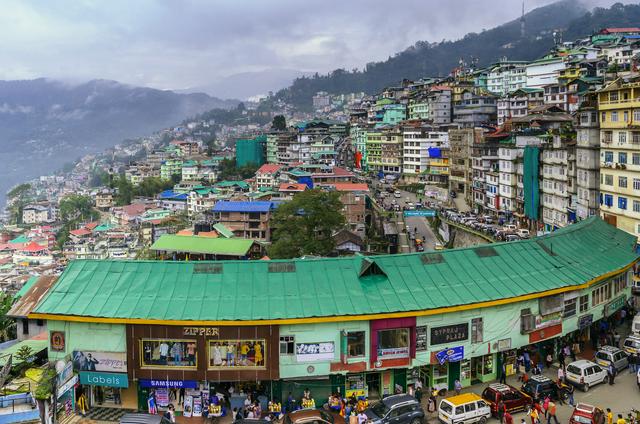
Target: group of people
(544, 409)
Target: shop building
(365, 325)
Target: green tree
(279, 123)
(7, 324)
(24, 354)
(19, 191)
(77, 207)
(305, 225)
(151, 186)
(124, 189)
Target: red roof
(269, 168)
(134, 209)
(618, 30)
(350, 186)
(292, 187)
(91, 225)
(341, 172)
(79, 233)
(33, 247)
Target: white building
(35, 214)
(416, 143)
(507, 76)
(544, 72)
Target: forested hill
(438, 59)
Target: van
(607, 355)
(586, 374)
(631, 344)
(466, 408)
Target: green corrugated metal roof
(223, 230)
(20, 239)
(260, 290)
(27, 286)
(203, 245)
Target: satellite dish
(60, 366)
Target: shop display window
(487, 365)
(355, 343)
(393, 343)
(172, 353)
(237, 353)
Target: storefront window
(393, 343)
(169, 353)
(355, 343)
(487, 364)
(237, 353)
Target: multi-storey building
(509, 155)
(475, 109)
(461, 142)
(249, 220)
(544, 71)
(358, 134)
(518, 103)
(557, 95)
(507, 76)
(384, 150)
(267, 176)
(439, 104)
(484, 158)
(587, 160)
(418, 108)
(422, 145)
(558, 182)
(619, 108)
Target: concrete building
(384, 150)
(588, 160)
(474, 109)
(439, 101)
(518, 103)
(619, 110)
(461, 142)
(248, 220)
(267, 177)
(544, 71)
(35, 214)
(559, 181)
(484, 159)
(507, 76)
(422, 148)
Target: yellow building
(384, 150)
(619, 109)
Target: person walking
(560, 375)
(503, 373)
(551, 413)
(501, 410)
(621, 420)
(535, 417)
(612, 374)
(633, 363)
(616, 339)
(508, 418)
(457, 385)
(609, 416)
(418, 394)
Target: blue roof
(231, 206)
(172, 195)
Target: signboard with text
(428, 213)
(173, 384)
(455, 354)
(106, 379)
(99, 361)
(421, 338)
(449, 333)
(311, 352)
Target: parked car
(512, 237)
(513, 399)
(410, 206)
(313, 416)
(631, 344)
(397, 195)
(635, 324)
(466, 408)
(540, 386)
(395, 409)
(509, 227)
(139, 418)
(586, 374)
(584, 413)
(522, 233)
(612, 355)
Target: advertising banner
(174, 384)
(106, 379)
(99, 361)
(454, 354)
(311, 352)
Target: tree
(151, 186)
(305, 225)
(19, 191)
(77, 207)
(125, 190)
(279, 123)
(7, 324)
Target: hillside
(438, 59)
(47, 123)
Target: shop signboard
(449, 333)
(99, 361)
(544, 321)
(394, 352)
(421, 338)
(611, 307)
(67, 386)
(174, 384)
(504, 344)
(455, 354)
(106, 379)
(312, 352)
(585, 321)
(65, 374)
(545, 333)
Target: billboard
(84, 360)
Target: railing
(614, 102)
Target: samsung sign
(107, 379)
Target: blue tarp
(434, 152)
(306, 180)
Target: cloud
(168, 44)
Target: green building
(362, 325)
(251, 151)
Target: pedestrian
(551, 413)
(560, 375)
(508, 418)
(501, 409)
(527, 361)
(418, 394)
(616, 339)
(632, 363)
(621, 420)
(612, 374)
(503, 373)
(525, 378)
(535, 418)
(609, 416)
(561, 358)
(545, 405)
(549, 360)
(573, 352)
(457, 386)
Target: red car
(587, 414)
(513, 399)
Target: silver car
(612, 355)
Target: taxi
(466, 408)
(587, 414)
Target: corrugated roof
(332, 287)
(223, 230)
(32, 296)
(37, 345)
(233, 206)
(203, 245)
(27, 285)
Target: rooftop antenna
(522, 21)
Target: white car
(586, 374)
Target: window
(614, 116)
(393, 343)
(613, 96)
(608, 179)
(470, 407)
(601, 294)
(622, 157)
(224, 354)
(636, 159)
(622, 137)
(622, 202)
(584, 303)
(608, 156)
(169, 353)
(287, 345)
(622, 182)
(608, 200)
(625, 115)
(476, 330)
(570, 307)
(355, 343)
(619, 283)
(636, 114)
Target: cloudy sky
(191, 43)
